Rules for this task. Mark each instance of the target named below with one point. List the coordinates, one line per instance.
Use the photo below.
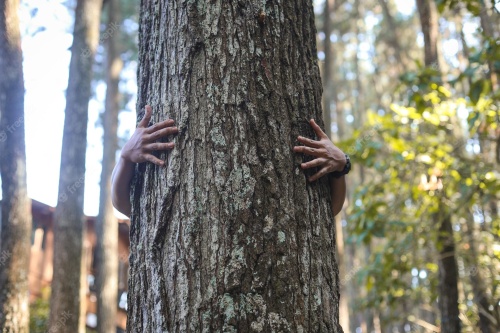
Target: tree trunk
(489, 32)
(448, 270)
(393, 36)
(66, 312)
(481, 298)
(229, 236)
(107, 223)
(359, 103)
(327, 66)
(463, 55)
(15, 222)
(448, 275)
(344, 301)
(430, 28)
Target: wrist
(345, 169)
(343, 163)
(125, 160)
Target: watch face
(348, 164)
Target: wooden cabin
(41, 261)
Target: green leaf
(476, 91)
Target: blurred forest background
(411, 93)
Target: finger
(314, 163)
(318, 174)
(147, 117)
(160, 134)
(159, 126)
(154, 160)
(309, 142)
(309, 151)
(159, 146)
(318, 130)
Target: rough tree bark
(66, 312)
(229, 236)
(15, 222)
(107, 223)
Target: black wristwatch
(345, 171)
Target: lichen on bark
(229, 236)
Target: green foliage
(422, 156)
(39, 313)
(473, 6)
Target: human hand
(140, 146)
(329, 158)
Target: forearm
(338, 189)
(120, 185)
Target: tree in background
(229, 236)
(107, 223)
(448, 270)
(428, 160)
(67, 306)
(15, 220)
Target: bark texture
(66, 311)
(107, 223)
(229, 236)
(15, 222)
